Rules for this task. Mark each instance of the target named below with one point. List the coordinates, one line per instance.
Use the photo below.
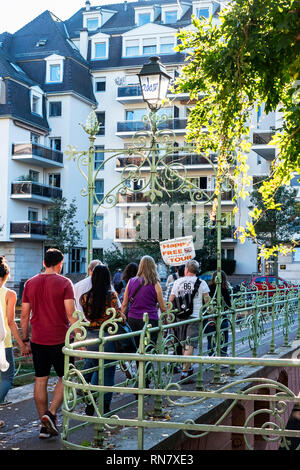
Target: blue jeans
(7, 378)
(109, 372)
(210, 329)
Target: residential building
(52, 73)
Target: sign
(178, 251)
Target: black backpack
(185, 303)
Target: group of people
(49, 301)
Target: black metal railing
(262, 138)
(129, 90)
(28, 228)
(37, 151)
(135, 126)
(180, 158)
(30, 188)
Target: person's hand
(124, 318)
(25, 349)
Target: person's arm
(115, 305)
(11, 300)
(124, 305)
(160, 297)
(25, 316)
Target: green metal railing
(258, 322)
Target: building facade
(51, 73)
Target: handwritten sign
(178, 251)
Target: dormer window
(148, 45)
(205, 8)
(54, 69)
(202, 12)
(171, 16)
(144, 18)
(41, 43)
(100, 44)
(36, 101)
(92, 24)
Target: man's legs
(187, 351)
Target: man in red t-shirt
(48, 304)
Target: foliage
(251, 58)
(210, 264)
(275, 227)
(117, 259)
(61, 229)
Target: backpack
(185, 303)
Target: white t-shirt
(185, 285)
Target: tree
(251, 58)
(61, 228)
(276, 226)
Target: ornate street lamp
(154, 81)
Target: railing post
(255, 339)
(158, 384)
(272, 344)
(99, 428)
(298, 331)
(233, 336)
(286, 317)
(199, 377)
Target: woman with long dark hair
(210, 327)
(95, 304)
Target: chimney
(84, 42)
(87, 5)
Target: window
(135, 114)
(149, 46)
(99, 191)
(34, 176)
(54, 68)
(99, 157)
(55, 108)
(100, 50)
(55, 143)
(92, 24)
(297, 255)
(55, 73)
(101, 121)
(76, 260)
(35, 138)
(144, 18)
(260, 280)
(100, 85)
(54, 180)
(98, 227)
(167, 45)
(33, 215)
(170, 16)
(202, 12)
(230, 253)
(36, 104)
(132, 48)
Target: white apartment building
(52, 73)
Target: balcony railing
(35, 150)
(185, 159)
(262, 138)
(30, 189)
(27, 229)
(133, 198)
(126, 234)
(178, 124)
(129, 90)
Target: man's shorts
(44, 357)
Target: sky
(16, 13)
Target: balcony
(261, 140)
(35, 154)
(127, 129)
(29, 191)
(135, 198)
(28, 230)
(133, 94)
(125, 235)
(185, 159)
